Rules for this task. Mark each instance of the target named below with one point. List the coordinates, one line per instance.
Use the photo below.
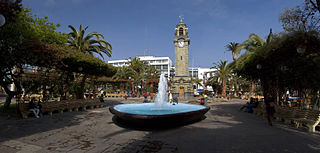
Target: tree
(21, 26)
(253, 43)
(302, 18)
(277, 72)
(222, 72)
(86, 43)
(124, 72)
(235, 48)
(196, 81)
(315, 4)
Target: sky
(146, 27)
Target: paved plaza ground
(225, 130)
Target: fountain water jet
(159, 112)
(162, 96)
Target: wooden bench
(50, 107)
(24, 109)
(259, 110)
(284, 114)
(311, 119)
(110, 95)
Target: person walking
(270, 109)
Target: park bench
(295, 114)
(259, 110)
(50, 107)
(284, 114)
(24, 109)
(110, 95)
(310, 119)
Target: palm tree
(87, 44)
(235, 48)
(254, 41)
(252, 44)
(213, 81)
(196, 81)
(124, 72)
(222, 72)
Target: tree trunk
(252, 89)
(8, 101)
(224, 89)
(81, 88)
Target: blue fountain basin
(152, 109)
(150, 114)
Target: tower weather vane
(181, 18)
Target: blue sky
(138, 27)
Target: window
(181, 57)
(180, 31)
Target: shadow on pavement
(16, 127)
(224, 130)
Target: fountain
(161, 111)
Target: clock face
(181, 43)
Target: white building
(163, 64)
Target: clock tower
(182, 86)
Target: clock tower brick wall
(181, 53)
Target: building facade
(163, 64)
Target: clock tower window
(181, 57)
(180, 31)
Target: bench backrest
(313, 115)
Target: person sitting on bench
(33, 108)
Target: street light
(151, 86)
(129, 85)
(4, 7)
(2, 20)
(259, 66)
(300, 50)
(80, 68)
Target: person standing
(170, 97)
(205, 96)
(145, 95)
(33, 108)
(270, 109)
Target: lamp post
(259, 66)
(129, 85)
(204, 82)
(151, 85)
(231, 88)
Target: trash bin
(202, 101)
